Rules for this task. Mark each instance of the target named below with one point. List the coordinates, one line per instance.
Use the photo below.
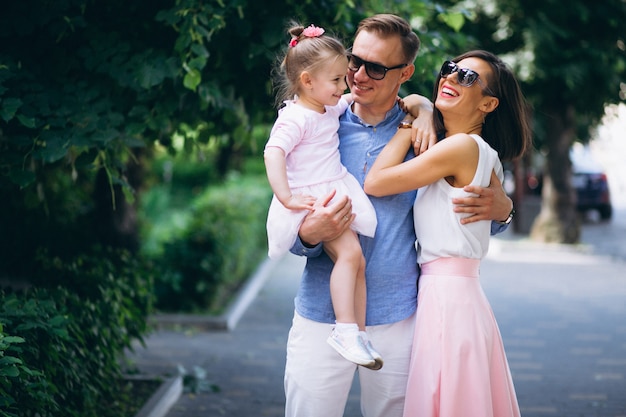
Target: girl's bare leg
(360, 296)
(347, 279)
(345, 338)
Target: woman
(458, 363)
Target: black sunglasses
(465, 76)
(373, 70)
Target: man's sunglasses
(373, 70)
(465, 76)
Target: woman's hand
(423, 134)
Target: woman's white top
(438, 228)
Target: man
(317, 379)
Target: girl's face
(326, 85)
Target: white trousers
(318, 379)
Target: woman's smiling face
(452, 94)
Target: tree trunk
(116, 223)
(558, 221)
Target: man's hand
(491, 203)
(326, 222)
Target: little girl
(303, 163)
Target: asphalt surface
(561, 312)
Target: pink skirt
(283, 224)
(458, 364)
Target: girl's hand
(300, 202)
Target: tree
(572, 62)
(89, 88)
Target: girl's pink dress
(458, 364)
(311, 145)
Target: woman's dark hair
(507, 128)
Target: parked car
(591, 184)
(588, 179)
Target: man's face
(369, 92)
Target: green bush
(75, 325)
(221, 240)
(18, 383)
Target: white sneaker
(378, 358)
(351, 347)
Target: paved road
(561, 311)
(562, 317)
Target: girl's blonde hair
(304, 53)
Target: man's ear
(407, 73)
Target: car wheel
(606, 212)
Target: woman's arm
(417, 105)
(454, 158)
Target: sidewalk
(561, 311)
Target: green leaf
(198, 63)
(192, 79)
(13, 339)
(135, 128)
(106, 136)
(9, 360)
(9, 107)
(22, 178)
(11, 371)
(30, 372)
(454, 20)
(199, 50)
(57, 321)
(26, 121)
(150, 76)
(133, 142)
(51, 154)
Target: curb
(159, 404)
(236, 309)
(164, 398)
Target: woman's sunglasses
(373, 70)
(465, 76)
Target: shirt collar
(391, 117)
